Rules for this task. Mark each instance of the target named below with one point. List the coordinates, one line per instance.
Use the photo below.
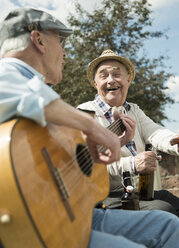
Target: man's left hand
(128, 134)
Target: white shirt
(23, 91)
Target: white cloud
(173, 87)
(58, 8)
(61, 8)
(7, 6)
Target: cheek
(101, 86)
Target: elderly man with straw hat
(112, 75)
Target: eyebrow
(113, 68)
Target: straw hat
(108, 55)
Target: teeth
(113, 89)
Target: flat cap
(22, 20)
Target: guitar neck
(116, 127)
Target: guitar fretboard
(116, 127)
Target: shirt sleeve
(155, 134)
(118, 167)
(20, 96)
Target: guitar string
(76, 177)
(79, 173)
(66, 166)
(85, 168)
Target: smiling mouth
(113, 89)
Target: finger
(150, 154)
(128, 119)
(149, 170)
(107, 159)
(116, 115)
(128, 125)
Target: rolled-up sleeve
(24, 97)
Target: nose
(110, 79)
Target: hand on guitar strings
(104, 146)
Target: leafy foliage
(119, 25)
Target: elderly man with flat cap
(112, 75)
(32, 51)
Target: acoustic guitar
(49, 186)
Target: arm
(35, 100)
(155, 134)
(118, 167)
(62, 113)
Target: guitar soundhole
(84, 159)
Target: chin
(57, 81)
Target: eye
(103, 76)
(116, 74)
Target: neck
(29, 57)
(112, 103)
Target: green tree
(122, 26)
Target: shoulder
(134, 108)
(86, 106)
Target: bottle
(146, 183)
(130, 200)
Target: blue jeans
(134, 229)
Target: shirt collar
(105, 107)
(22, 63)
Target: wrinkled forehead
(110, 65)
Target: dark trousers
(163, 200)
(166, 196)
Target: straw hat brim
(92, 66)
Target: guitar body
(45, 212)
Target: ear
(95, 85)
(38, 41)
(129, 78)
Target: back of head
(23, 20)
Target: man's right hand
(145, 162)
(104, 137)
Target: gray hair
(18, 43)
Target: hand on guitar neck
(128, 129)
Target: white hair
(18, 43)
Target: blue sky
(165, 15)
